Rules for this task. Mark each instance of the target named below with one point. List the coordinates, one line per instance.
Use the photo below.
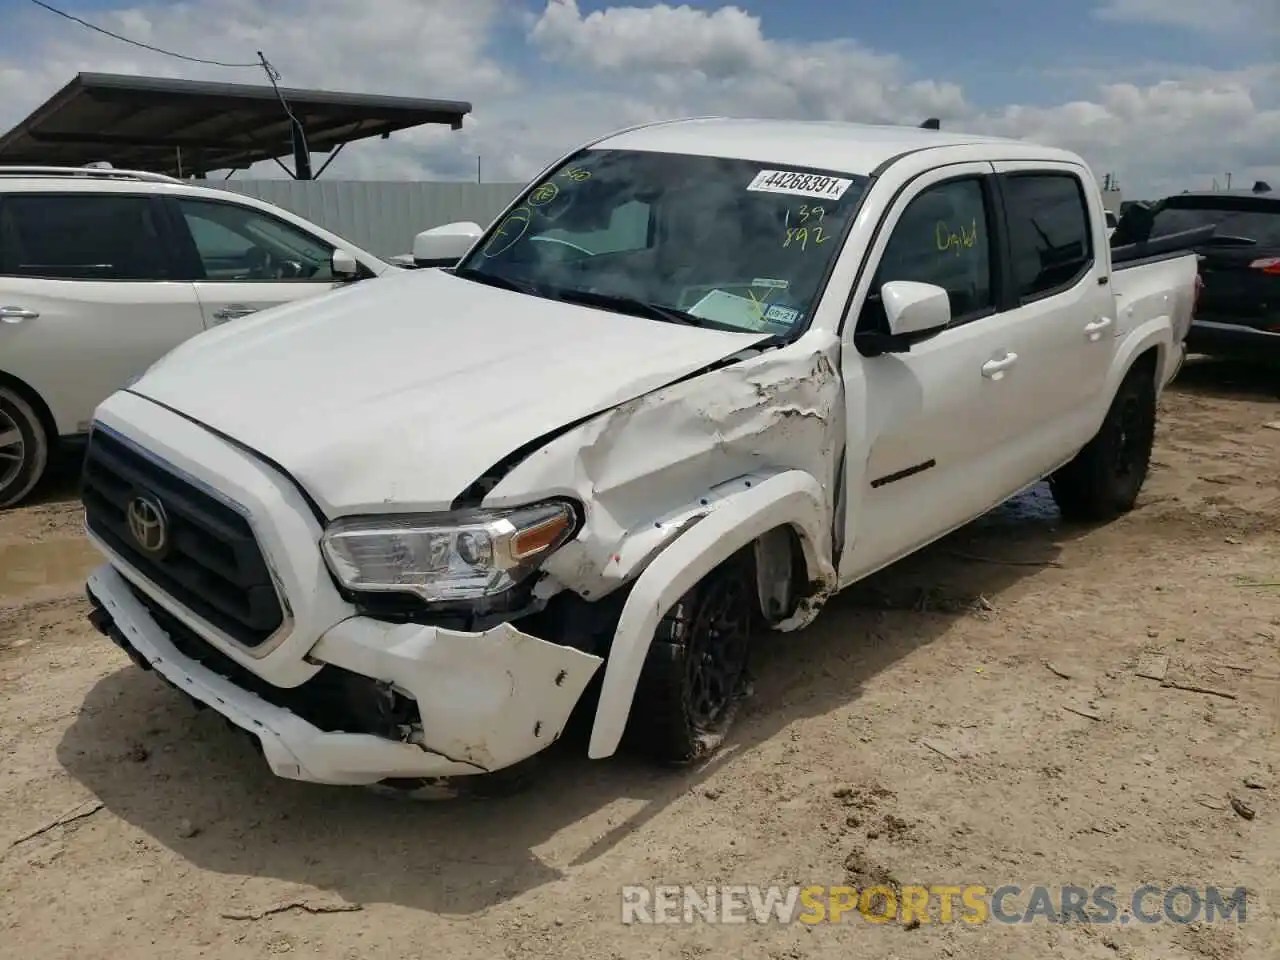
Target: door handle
(994, 369)
(232, 312)
(16, 314)
(1094, 330)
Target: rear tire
(694, 675)
(24, 447)
(1104, 479)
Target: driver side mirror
(344, 266)
(915, 308)
(444, 246)
(913, 312)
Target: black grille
(212, 565)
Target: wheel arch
(762, 519)
(36, 402)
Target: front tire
(1104, 479)
(24, 447)
(693, 677)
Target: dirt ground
(920, 732)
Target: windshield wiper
(639, 308)
(496, 280)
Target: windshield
(726, 243)
(1247, 218)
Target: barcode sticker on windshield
(800, 184)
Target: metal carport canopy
(181, 127)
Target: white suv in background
(103, 271)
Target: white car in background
(103, 271)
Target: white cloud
(1167, 136)
(581, 75)
(722, 61)
(1220, 16)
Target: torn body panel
(651, 468)
(676, 481)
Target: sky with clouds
(1168, 94)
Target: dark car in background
(1238, 314)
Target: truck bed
(1156, 283)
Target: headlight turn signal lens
(446, 557)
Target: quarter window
(79, 236)
(942, 238)
(1049, 236)
(241, 244)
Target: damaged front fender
(792, 498)
(650, 469)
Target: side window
(942, 238)
(237, 243)
(1049, 234)
(80, 236)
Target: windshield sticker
(782, 316)
(509, 231)
(720, 306)
(543, 193)
(576, 174)
(946, 240)
(770, 284)
(800, 184)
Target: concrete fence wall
(381, 216)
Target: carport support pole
(301, 155)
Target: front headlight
(446, 557)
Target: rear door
(243, 260)
(88, 295)
(1241, 268)
(1060, 292)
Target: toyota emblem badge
(148, 524)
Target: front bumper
(486, 700)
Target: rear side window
(1248, 219)
(1049, 235)
(78, 236)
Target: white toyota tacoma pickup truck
(698, 377)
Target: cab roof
(856, 148)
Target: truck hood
(399, 392)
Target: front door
(249, 260)
(940, 419)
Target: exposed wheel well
(1149, 362)
(37, 403)
(781, 572)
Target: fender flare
(1154, 333)
(792, 498)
